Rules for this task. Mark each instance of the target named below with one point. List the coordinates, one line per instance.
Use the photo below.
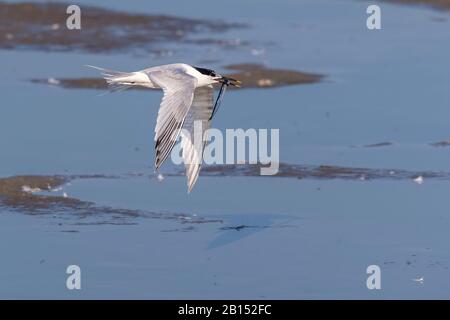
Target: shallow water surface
(382, 106)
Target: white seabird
(188, 97)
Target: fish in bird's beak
(225, 81)
(229, 81)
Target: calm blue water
(308, 239)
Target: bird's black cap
(225, 80)
(207, 72)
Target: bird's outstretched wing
(196, 123)
(178, 90)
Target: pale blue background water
(387, 85)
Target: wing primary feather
(178, 90)
(192, 152)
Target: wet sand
(443, 143)
(323, 172)
(42, 26)
(259, 76)
(375, 145)
(437, 4)
(32, 195)
(25, 193)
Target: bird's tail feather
(114, 78)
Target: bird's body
(188, 98)
(142, 78)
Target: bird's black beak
(230, 82)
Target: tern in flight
(188, 98)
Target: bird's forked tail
(116, 80)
